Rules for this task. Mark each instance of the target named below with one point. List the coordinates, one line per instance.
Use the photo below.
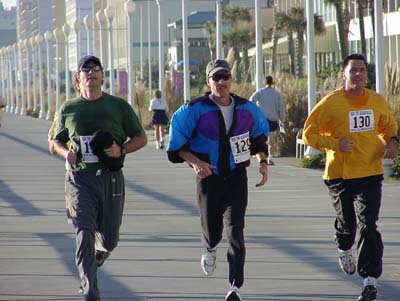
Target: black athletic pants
(359, 200)
(96, 207)
(222, 199)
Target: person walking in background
(216, 134)
(356, 128)
(159, 118)
(271, 103)
(102, 129)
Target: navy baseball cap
(89, 58)
(217, 65)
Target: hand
(203, 169)
(71, 156)
(346, 145)
(264, 172)
(114, 151)
(391, 150)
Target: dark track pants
(96, 207)
(359, 200)
(223, 200)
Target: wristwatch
(396, 139)
(123, 150)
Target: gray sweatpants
(96, 207)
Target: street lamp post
(58, 39)
(11, 79)
(66, 29)
(88, 24)
(141, 41)
(32, 41)
(219, 29)
(186, 81)
(160, 46)
(259, 56)
(28, 76)
(130, 9)
(109, 13)
(42, 112)
(149, 45)
(48, 37)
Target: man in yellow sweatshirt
(356, 128)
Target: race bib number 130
(240, 146)
(361, 121)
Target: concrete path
(289, 232)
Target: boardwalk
(290, 249)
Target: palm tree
(209, 29)
(360, 5)
(343, 39)
(283, 21)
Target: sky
(9, 3)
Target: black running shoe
(368, 293)
(233, 295)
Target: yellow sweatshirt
(367, 120)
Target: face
(91, 76)
(355, 75)
(220, 83)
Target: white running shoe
(347, 262)
(208, 261)
(233, 294)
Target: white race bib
(240, 146)
(361, 121)
(87, 154)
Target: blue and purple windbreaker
(199, 127)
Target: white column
(28, 76)
(48, 37)
(186, 81)
(379, 62)
(101, 19)
(58, 36)
(32, 41)
(141, 41)
(21, 47)
(109, 13)
(42, 112)
(130, 9)
(17, 92)
(66, 29)
(259, 54)
(2, 73)
(10, 52)
(218, 36)
(88, 24)
(160, 47)
(77, 27)
(149, 46)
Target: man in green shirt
(102, 129)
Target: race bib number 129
(361, 121)
(240, 146)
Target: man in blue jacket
(216, 134)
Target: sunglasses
(89, 68)
(218, 77)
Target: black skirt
(159, 117)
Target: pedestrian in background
(271, 103)
(102, 129)
(216, 134)
(159, 119)
(356, 128)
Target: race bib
(361, 121)
(240, 146)
(87, 154)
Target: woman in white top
(159, 119)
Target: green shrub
(314, 161)
(396, 168)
